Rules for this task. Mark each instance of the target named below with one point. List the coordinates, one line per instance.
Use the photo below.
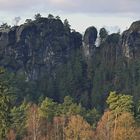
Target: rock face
(58, 62)
(89, 39)
(45, 43)
(127, 45)
(130, 41)
(37, 46)
(110, 49)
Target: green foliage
(28, 20)
(50, 16)
(57, 17)
(103, 33)
(48, 109)
(119, 103)
(70, 108)
(66, 25)
(52, 64)
(92, 117)
(113, 38)
(18, 119)
(37, 16)
(5, 26)
(47, 65)
(137, 111)
(5, 108)
(2, 70)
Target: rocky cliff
(89, 39)
(37, 46)
(130, 41)
(63, 62)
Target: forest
(58, 84)
(50, 120)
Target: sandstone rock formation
(130, 41)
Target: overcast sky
(111, 14)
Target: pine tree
(5, 107)
(19, 119)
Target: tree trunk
(115, 127)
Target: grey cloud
(79, 6)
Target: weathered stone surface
(43, 44)
(130, 41)
(37, 46)
(90, 35)
(89, 39)
(110, 49)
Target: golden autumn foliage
(11, 135)
(104, 127)
(45, 124)
(33, 122)
(59, 127)
(121, 128)
(75, 127)
(126, 128)
(78, 129)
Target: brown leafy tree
(59, 124)
(104, 127)
(11, 135)
(78, 129)
(126, 129)
(33, 123)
